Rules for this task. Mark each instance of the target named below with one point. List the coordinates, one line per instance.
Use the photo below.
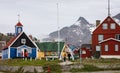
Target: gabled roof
(19, 24)
(10, 42)
(106, 21)
(86, 46)
(13, 40)
(49, 46)
(109, 39)
(72, 47)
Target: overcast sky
(39, 17)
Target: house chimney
(31, 37)
(97, 22)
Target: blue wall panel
(5, 54)
(33, 55)
(13, 52)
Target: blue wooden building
(19, 45)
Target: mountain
(117, 18)
(75, 34)
(80, 31)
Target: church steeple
(18, 27)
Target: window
(112, 26)
(83, 52)
(97, 48)
(19, 30)
(100, 37)
(19, 50)
(23, 41)
(117, 36)
(106, 47)
(29, 50)
(116, 47)
(105, 26)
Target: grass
(89, 64)
(91, 68)
(53, 64)
(20, 62)
(87, 68)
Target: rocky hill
(79, 32)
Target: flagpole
(58, 30)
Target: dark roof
(86, 46)
(50, 46)
(14, 42)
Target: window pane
(116, 47)
(23, 41)
(106, 47)
(117, 36)
(83, 52)
(97, 48)
(112, 26)
(100, 37)
(105, 26)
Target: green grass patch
(20, 62)
(53, 64)
(87, 68)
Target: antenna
(108, 7)
(18, 17)
(58, 30)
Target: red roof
(18, 24)
(10, 42)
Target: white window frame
(100, 37)
(116, 48)
(104, 26)
(112, 26)
(23, 41)
(106, 48)
(83, 52)
(98, 48)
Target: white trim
(16, 38)
(69, 51)
(110, 56)
(2, 54)
(61, 52)
(109, 39)
(35, 46)
(8, 52)
(22, 46)
(17, 52)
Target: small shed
(68, 49)
(86, 50)
(49, 49)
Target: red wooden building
(106, 38)
(86, 50)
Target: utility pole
(58, 30)
(108, 7)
